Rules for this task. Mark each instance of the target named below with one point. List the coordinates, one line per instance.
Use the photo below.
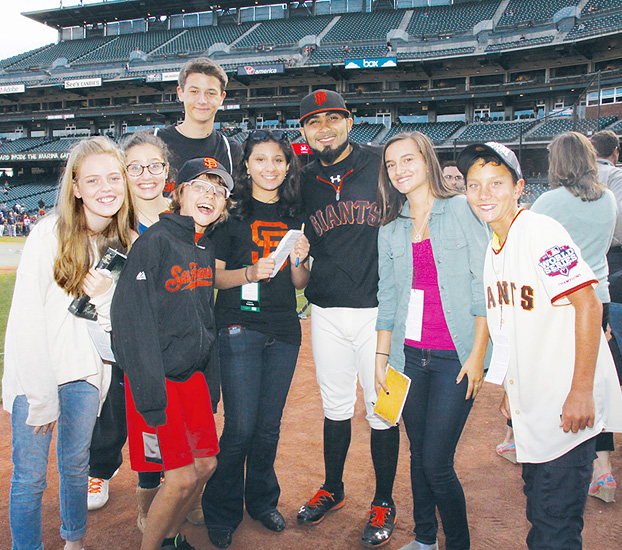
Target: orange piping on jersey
(571, 290)
(495, 237)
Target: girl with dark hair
(259, 333)
(431, 324)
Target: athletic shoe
(315, 509)
(178, 543)
(507, 451)
(379, 528)
(415, 545)
(603, 488)
(97, 493)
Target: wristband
(380, 353)
(246, 274)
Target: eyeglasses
(261, 135)
(155, 169)
(203, 187)
(449, 177)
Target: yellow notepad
(390, 406)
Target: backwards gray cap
(506, 156)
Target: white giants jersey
(527, 282)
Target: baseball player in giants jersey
(339, 191)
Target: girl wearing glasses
(259, 333)
(164, 339)
(53, 374)
(146, 158)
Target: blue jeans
(556, 494)
(256, 372)
(434, 416)
(79, 402)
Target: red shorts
(189, 432)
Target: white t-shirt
(527, 283)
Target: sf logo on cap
(320, 97)
(210, 162)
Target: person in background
(53, 374)
(452, 175)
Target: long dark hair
(290, 200)
(390, 200)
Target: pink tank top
(434, 333)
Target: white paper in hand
(285, 247)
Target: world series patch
(559, 260)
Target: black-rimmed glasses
(155, 168)
(261, 135)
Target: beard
(328, 155)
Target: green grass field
(7, 282)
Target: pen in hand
(298, 255)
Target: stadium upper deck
(450, 66)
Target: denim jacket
(459, 240)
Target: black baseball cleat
(379, 528)
(314, 510)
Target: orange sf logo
(210, 162)
(267, 236)
(320, 97)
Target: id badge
(151, 448)
(414, 320)
(249, 296)
(500, 360)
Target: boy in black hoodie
(163, 339)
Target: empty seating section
(450, 19)
(600, 6)
(199, 39)
(555, 126)
(15, 59)
(122, 46)
(364, 133)
(532, 11)
(62, 145)
(451, 52)
(338, 55)
(22, 144)
(24, 191)
(532, 191)
(617, 127)
(494, 131)
(438, 132)
(519, 43)
(599, 25)
(70, 50)
(355, 27)
(283, 32)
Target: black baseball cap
(321, 101)
(476, 150)
(193, 168)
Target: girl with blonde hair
(53, 374)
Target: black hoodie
(162, 312)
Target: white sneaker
(98, 493)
